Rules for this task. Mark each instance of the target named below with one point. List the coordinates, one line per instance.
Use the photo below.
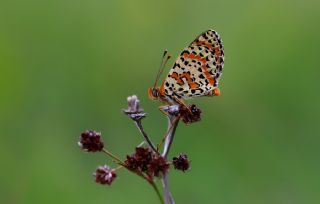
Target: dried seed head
(140, 159)
(132, 163)
(134, 111)
(104, 175)
(134, 104)
(181, 162)
(144, 160)
(158, 166)
(190, 114)
(91, 141)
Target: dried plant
(196, 72)
(147, 161)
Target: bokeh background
(67, 66)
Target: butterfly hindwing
(197, 70)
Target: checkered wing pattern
(197, 70)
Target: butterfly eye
(154, 92)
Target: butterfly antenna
(162, 66)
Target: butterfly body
(196, 72)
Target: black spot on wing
(201, 76)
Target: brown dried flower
(134, 111)
(190, 114)
(181, 162)
(91, 141)
(140, 159)
(105, 175)
(158, 166)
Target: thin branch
(172, 121)
(165, 137)
(157, 191)
(118, 161)
(151, 182)
(137, 114)
(113, 156)
(167, 195)
(172, 126)
(146, 137)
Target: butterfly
(196, 72)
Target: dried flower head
(181, 162)
(140, 160)
(104, 175)
(134, 111)
(91, 141)
(132, 163)
(190, 114)
(158, 166)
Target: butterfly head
(153, 93)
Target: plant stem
(146, 137)
(157, 191)
(172, 126)
(150, 181)
(167, 195)
(172, 121)
(113, 157)
(119, 167)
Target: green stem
(113, 157)
(119, 167)
(151, 182)
(157, 191)
(145, 136)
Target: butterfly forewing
(197, 70)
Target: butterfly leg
(167, 133)
(161, 108)
(182, 103)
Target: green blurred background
(67, 66)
